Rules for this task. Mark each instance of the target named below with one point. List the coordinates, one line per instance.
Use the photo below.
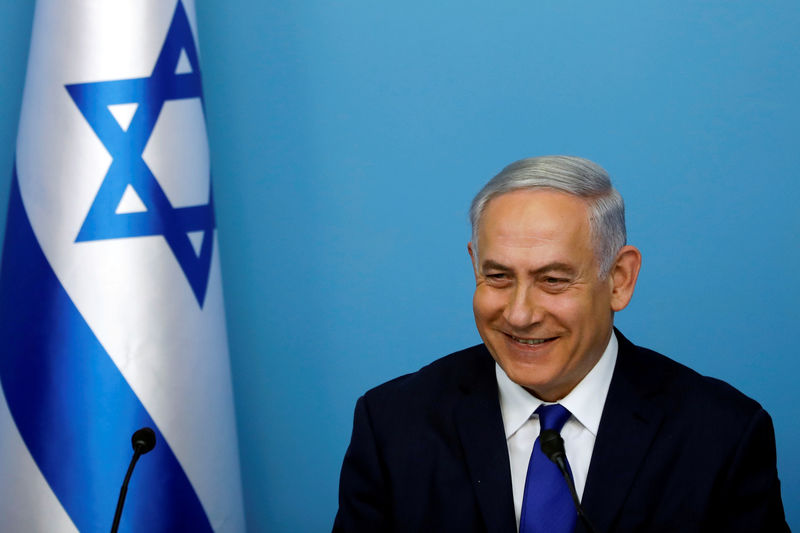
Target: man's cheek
(487, 301)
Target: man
(651, 445)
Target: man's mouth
(530, 342)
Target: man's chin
(539, 382)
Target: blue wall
(348, 138)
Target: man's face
(539, 306)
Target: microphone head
(144, 440)
(552, 445)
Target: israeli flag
(111, 310)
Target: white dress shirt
(585, 402)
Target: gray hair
(572, 175)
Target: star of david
(157, 216)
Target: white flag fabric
(111, 310)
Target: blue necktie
(547, 504)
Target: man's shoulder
(444, 377)
(682, 386)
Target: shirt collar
(585, 401)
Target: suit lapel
(480, 428)
(628, 426)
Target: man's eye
(497, 276)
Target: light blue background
(347, 139)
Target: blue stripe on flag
(73, 407)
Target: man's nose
(522, 309)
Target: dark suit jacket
(675, 451)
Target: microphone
(143, 440)
(553, 447)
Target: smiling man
(542, 305)
(650, 445)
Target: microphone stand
(143, 441)
(553, 447)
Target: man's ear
(623, 276)
(474, 258)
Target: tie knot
(552, 416)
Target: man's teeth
(529, 341)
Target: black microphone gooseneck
(553, 447)
(142, 441)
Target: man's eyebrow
(493, 265)
(555, 266)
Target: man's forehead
(520, 236)
(540, 214)
(531, 229)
